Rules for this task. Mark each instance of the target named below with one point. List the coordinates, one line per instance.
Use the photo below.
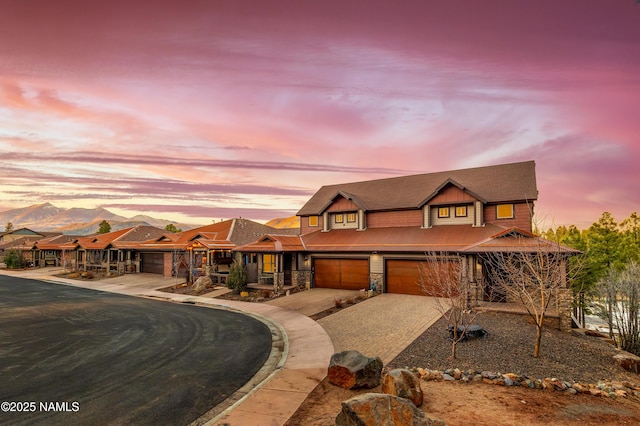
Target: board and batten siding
(376, 264)
(452, 219)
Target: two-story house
(377, 233)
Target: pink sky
(200, 110)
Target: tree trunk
(536, 351)
(454, 346)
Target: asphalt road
(104, 358)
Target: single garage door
(152, 263)
(404, 277)
(347, 274)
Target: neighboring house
(199, 251)
(206, 250)
(113, 252)
(376, 234)
(22, 239)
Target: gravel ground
(509, 348)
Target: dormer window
(504, 211)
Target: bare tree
(442, 276)
(533, 272)
(620, 291)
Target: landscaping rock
(352, 370)
(471, 331)
(403, 383)
(202, 283)
(628, 361)
(376, 409)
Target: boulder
(403, 383)
(628, 361)
(471, 331)
(376, 409)
(352, 370)
(202, 283)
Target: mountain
(285, 222)
(76, 221)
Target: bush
(237, 279)
(14, 259)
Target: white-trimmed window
(461, 211)
(313, 221)
(339, 218)
(444, 212)
(351, 217)
(504, 211)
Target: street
(85, 357)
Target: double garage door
(346, 274)
(401, 276)
(404, 277)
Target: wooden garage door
(152, 263)
(403, 276)
(347, 274)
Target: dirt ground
(481, 404)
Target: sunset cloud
(231, 109)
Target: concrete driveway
(314, 301)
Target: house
(206, 250)
(22, 239)
(375, 234)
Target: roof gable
(451, 191)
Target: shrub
(14, 259)
(237, 279)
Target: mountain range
(75, 221)
(79, 221)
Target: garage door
(152, 263)
(347, 274)
(403, 276)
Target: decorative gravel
(508, 348)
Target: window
(504, 211)
(313, 220)
(351, 217)
(268, 262)
(461, 211)
(339, 218)
(443, 212)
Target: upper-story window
(313, 220)
(443, 212)
(461, 211)
(504, 211)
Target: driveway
(121, 360)
(382, 326)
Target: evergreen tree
(172, 228)
(104, 227)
